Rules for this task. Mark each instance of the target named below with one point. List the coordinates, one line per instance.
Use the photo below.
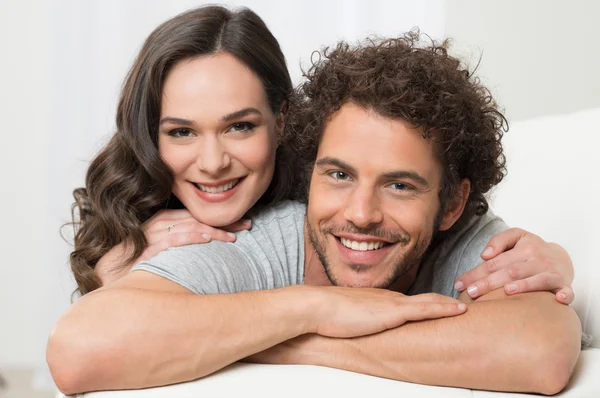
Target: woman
(217, 155)
(200, 129)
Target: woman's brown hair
(127, 182)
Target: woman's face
(218, 135)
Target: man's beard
(403, 265)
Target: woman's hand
(167, 228)
(172, 228)
(521, 262)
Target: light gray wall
(539, 57)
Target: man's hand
(521, 262)
(352, 312)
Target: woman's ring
(169, 229)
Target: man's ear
(456, 206)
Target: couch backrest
(552, 189)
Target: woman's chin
(223, 218)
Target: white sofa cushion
(552, 189)
(275, 381)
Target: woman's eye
(242, 126)
(340, 175)
(180, 133)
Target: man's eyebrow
(329, 161)
(227, 118)
(403, 174)
(392, 175)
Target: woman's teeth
(361, 246)
(220, 188)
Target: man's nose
(213, 156)
(363, 208)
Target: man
(400, 145)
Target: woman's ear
(457, 205)
(281, 116)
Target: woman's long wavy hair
(127, 182)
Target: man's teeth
(221, 188)
(361, 246)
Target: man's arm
(525, 343)
(144, 331)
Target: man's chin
(355, 275)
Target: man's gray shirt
(271, 255)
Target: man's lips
(361, 238)
(367, 252)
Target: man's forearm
(528, 343)
(133, 338)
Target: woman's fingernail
(462, 307)
(487, 252)
(248, 223)
(458, 285)
(206, 236)
(231, 234)
(472, 291)
(562, 296)
(511, 288)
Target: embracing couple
(342, 223)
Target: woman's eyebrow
(241, 113)
(175, 120)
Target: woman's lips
(217, 196)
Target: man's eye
(400, 186)
(242, 126)
(180, 133)
(340, 175)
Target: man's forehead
(363, 138)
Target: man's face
(373, 203)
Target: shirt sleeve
(454, 254)
(209, 268)
(472, 245)
(270, 255)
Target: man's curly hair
(416, 81)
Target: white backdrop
(62, 67)
(62, 63)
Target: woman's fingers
(502, 242)
(164, 229)
(487, 268)
(169, 214)
(565, 295)
(174, 240)
(510, 273)
(539, 282)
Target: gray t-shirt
(271, 255)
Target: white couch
(551, 190)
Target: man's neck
(314, 272)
